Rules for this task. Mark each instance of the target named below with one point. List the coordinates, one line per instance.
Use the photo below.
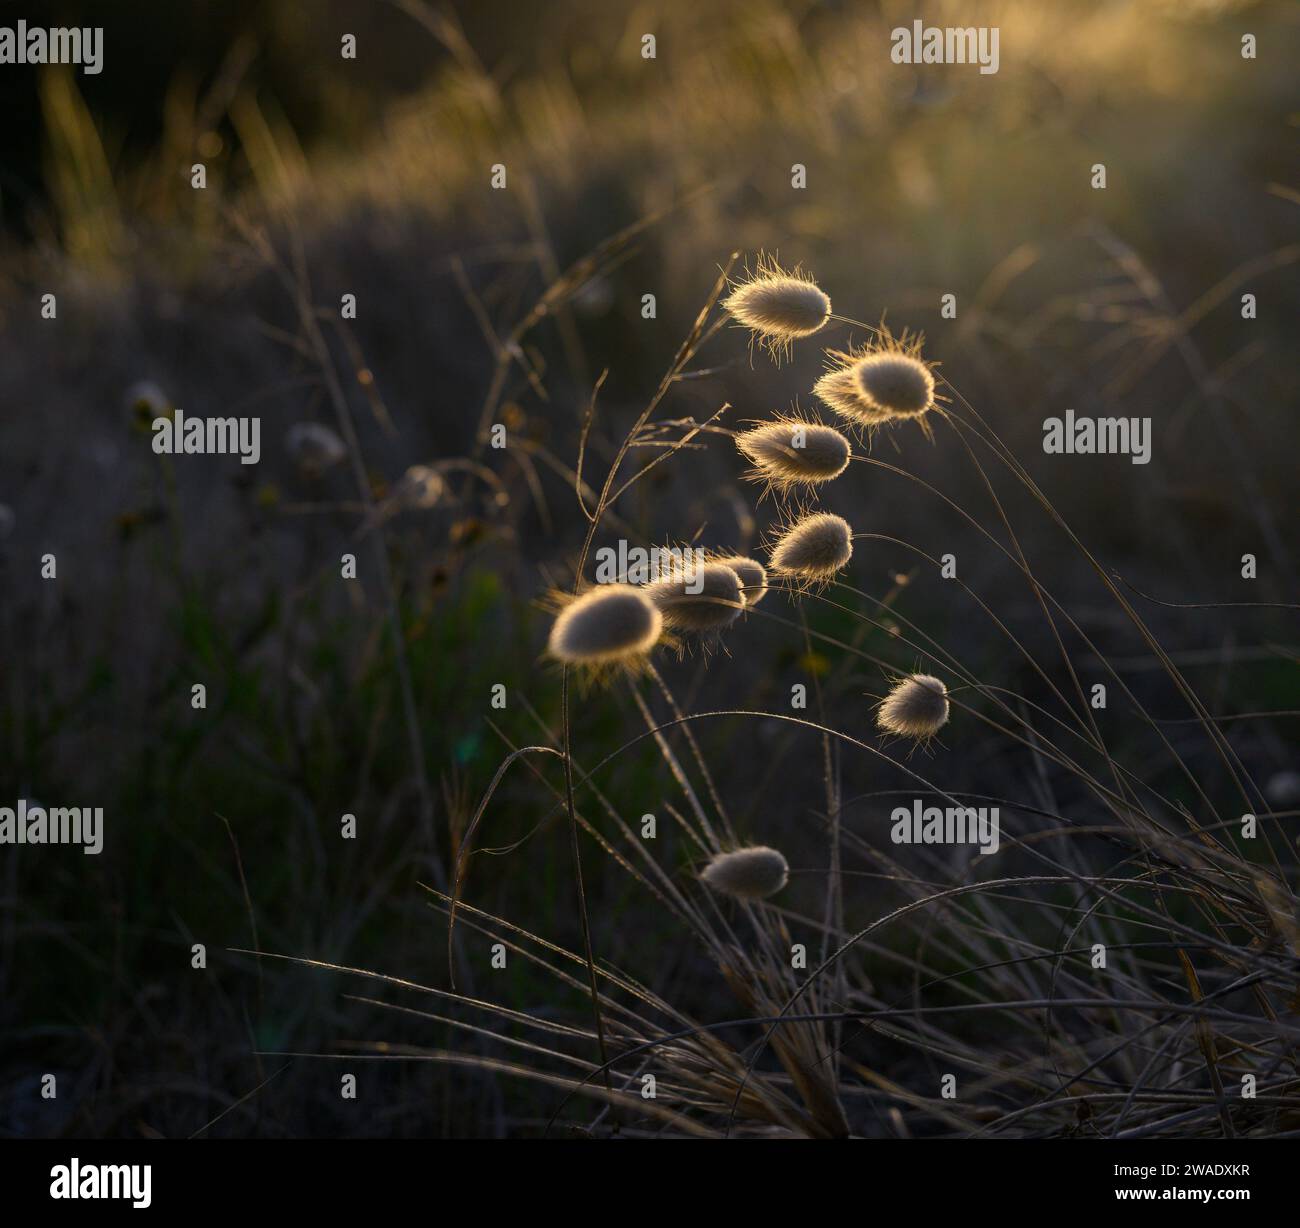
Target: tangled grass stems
(1122, 882)
(959, 890)
(985, 434)
(1218, 741)
(1041, 593)
(1029, 738)
(684, 354)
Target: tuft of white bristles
(611, 624)
(813, 549)
(790, 452)
(778, 307)
(916, 707)
(698, 597)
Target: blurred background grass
(921, 182)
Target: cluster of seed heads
(700, 597)
(619, 624)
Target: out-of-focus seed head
(314, 447)
(748, 874)
(421, 488)
(916, 707)
(752, 575)
(145, 401)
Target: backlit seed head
(749, 874)
(611, 624)
(791, 452)
(314, 447)
(698, 597)
(886, 381)
(421, 487)
(838, 389)
(752, 575)
(813, 549)
(146, 401)
(917, 707)
(896, 384)
(778, 307)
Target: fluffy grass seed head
(145, 401)
(314, 447)
(421, 487)
(699, 597)
(609, 625)
(749, 874)
(916, 707)
(791, 452)
(886, 381)
(751, 573)
(778, 306)
(813, 549)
